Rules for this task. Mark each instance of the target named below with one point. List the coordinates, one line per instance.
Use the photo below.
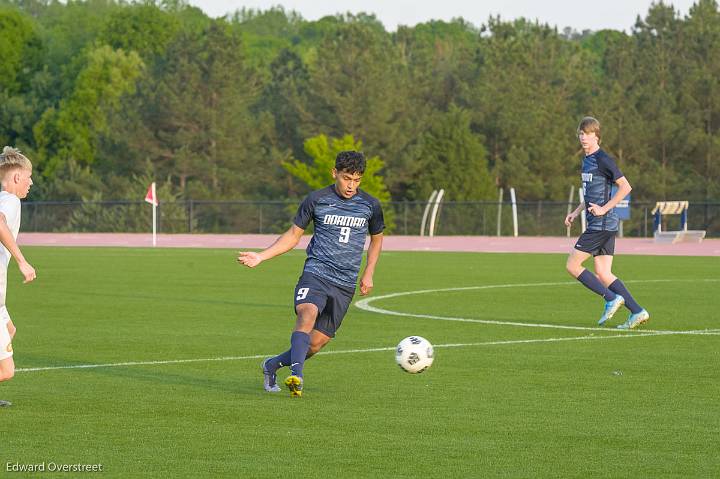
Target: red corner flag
(151, 197)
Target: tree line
(105, 96)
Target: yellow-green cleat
(295, 385)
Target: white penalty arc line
(364, 304)
(345, 351)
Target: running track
(478, 244)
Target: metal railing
(536, 218)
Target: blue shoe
(295, 385)
(611, 308)
(270, 378)
(635, 320)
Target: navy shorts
(331, 300)
(597, 243)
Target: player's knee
(605, 277)
(573, 268)
(307, 312)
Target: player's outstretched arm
(6, 238)
(373, 254)
(283, 244)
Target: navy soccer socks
(299, 346)
(279, 361)
(592, 283)
(618, 287)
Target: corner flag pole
(154, 217)
(151, 198)
(514, 211)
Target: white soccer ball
(414, 354)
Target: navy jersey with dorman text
(599, 173)
(341, 227)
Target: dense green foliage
(500, 400)
(100, 92)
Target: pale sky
(580, 15)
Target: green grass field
(571, 403)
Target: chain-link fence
(487, 218)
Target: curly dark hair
(350, 161)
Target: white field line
(364, 304)
(351, 351)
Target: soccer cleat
(295, 385)
(270, 378)
(611, 308)
(635, 320)
(5, 403)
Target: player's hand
(27, 271)
(597, 210)
(569, 219)
(249, 258)
(366, 285)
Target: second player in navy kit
(342, 215)
(599, 174)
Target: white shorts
(6, 350)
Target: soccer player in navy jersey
(599, 173)
(343, 215)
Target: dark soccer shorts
(332, 301)
(597, 243)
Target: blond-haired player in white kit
(15, 178)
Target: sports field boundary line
(590, 337)
(364, 304)
(470, 244)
